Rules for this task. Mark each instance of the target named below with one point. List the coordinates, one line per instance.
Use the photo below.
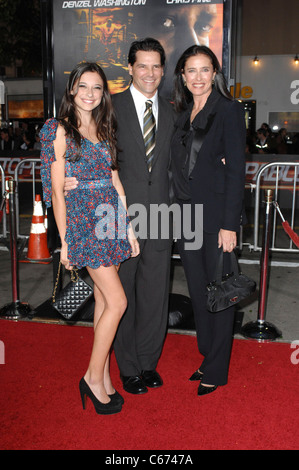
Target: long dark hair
(181, 95)
(103, 114)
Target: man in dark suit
(140, 336)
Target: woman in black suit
(208, 168)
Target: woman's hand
(133, 242)
(227, 239)
(63, 257)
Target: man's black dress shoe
(196, 376)
(133, 384)
(151, 378)
(203, 390)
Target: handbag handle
(74, 278)
(234, 265)
(56, 283)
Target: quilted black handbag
(229, 289)
(72, 297)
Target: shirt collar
(140, 99)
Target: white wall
(274, 82)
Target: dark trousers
(214, 330)
(141, 332)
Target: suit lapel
(201, 132)
(163, 122)
(197, 141)
(133, 122)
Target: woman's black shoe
(101, 408)
(203, 390)
(196, 376)
(116, 398)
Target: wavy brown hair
(103, 114)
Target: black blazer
(217, 132)
(140, 185)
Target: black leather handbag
(72, 297)
(229, 289)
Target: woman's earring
(213, 82)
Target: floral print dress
(97, 223)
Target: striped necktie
(149, 132)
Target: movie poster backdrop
(103, 30)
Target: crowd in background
(24, 137)
(265, 141)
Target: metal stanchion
(260, 329)
(16, 309)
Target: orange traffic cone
(37, 243)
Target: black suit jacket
(218, 132)
(140, 185)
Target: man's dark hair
(148, 45)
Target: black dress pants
(214, 330)
(141, 333)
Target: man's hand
(133, 242)
(69, 184)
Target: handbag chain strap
(74, 275)
(74, 278)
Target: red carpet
(41, 408)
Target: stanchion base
(260, 330)
(14, 311)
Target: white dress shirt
(139, 101)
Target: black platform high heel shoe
(204, 390)
(196, 376)
(116, 397)
(109, 408)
